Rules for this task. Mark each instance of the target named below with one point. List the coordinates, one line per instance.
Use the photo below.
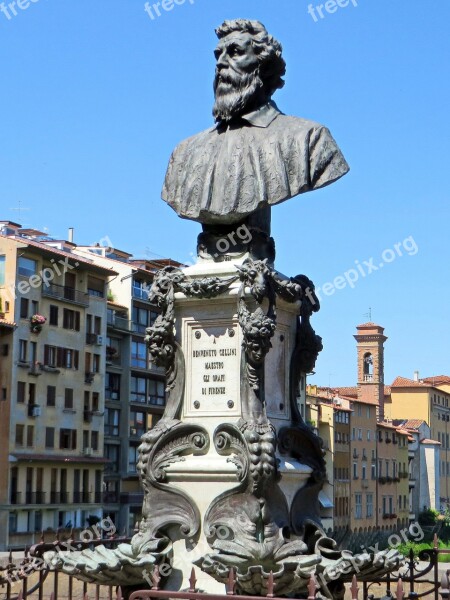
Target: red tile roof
(411, 423)
(7, 324)
(50, 249)
(402, 382)
(437, 379)
(350, 392)
(427, 441)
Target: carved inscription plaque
(213, 378)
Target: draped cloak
(223, 174)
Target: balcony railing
(82, 497)
(59, 497)
(141, 293)
(368, 378)
(119, 323)
(63, 292)
(16, 497)
(110, 497)
(34, 497)
(112, 395)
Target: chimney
(416, 376)
(70, 235)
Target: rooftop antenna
(368, 315)
(19, 209)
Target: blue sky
(96, 94)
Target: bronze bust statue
(254, 156)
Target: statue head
(249, 68)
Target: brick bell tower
(370, 340)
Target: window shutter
(76, 356)
(77, 321)
(46, 355)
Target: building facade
(52, 371)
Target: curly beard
(234, 93)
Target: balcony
(35, 498)
(132, 498)
(16, 497)
(141, 293)
(120, 323)
(65, 293)
(59, 498)
(89, 377)
(368, 378)
(113, 395)
(110, 497)
(82, 497)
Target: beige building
(426, 400)
(52, 374)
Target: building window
(21, 392)
(387, 468)
(368, 435)
(112, 453)
(49, 437)
(112, 418)
(355, 470)
(30, 436)
(24, 308)
(19, 434)
(138, 390)
(132, 458)
(68, 439)
(143, 318)
(358, 506)
(360, 435)
(112, 386)
(68, 398)
(71, 319)
(363, 472)
(96, 286)
(157, 394)
(27, 266)
(368, 412)
(369, 505)
(23, 350)
(95, 401)
(373, 470)
(2, 269)
(53, 316)
(96, 363)
(138, 354)
(359, 410)
(51, 395)
(137, 423)
(94, 440)
(50, 356)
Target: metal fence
(20, 581)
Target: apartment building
(329, 415)
(426, 400)
(52, 373)
(393, 476)
(134, 386)
(424, 463)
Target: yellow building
(52, 376)
(426, 400)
